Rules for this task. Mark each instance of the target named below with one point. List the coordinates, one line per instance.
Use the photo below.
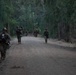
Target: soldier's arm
(9, 37)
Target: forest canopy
(59, 16)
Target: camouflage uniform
(4, 43)
(19, 34)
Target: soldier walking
(4, 42)
(46, 35)
(19, 34)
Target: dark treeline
(59, 16)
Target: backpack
(3, 38)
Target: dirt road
(34, 57)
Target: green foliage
(39, 13)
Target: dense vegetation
(59, 16)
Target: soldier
(19, 34)
(36, 32)
(26, 32)
(46, 35)
(4, 42)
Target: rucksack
(3, 38)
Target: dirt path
(34, 57)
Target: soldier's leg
(4, 54)
(19, 39)
(4, 51)
(1, 50)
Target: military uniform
(4, 43)
(19, 34)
